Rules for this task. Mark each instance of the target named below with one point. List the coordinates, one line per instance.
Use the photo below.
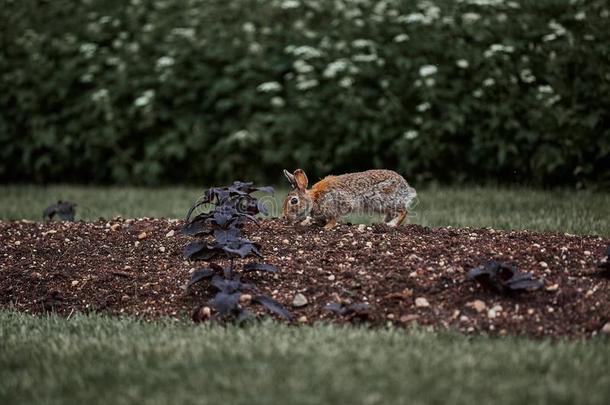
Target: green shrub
(212, 90)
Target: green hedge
(206, 91)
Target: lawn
(96, 359)
(579, 212)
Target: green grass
(580, 212)
(97, 360)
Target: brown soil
(134, 267)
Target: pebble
(479, 305)
(74, 283)
(170, 234)
(125, 297)
(285, 241)
(161, 249)
(361, 228)
(408, 318)
(114, 227)
(543, 265)
(553, 287)
(302, 319)
(245, 299)
(606, 328)
(142, 235)
(331, 277)
(299, 300)
(421, 302)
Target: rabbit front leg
(331, 223)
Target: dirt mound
(373, 274)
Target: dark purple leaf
(503, 277)
(199, 251)
(63, 209)
(225, 303)
(259, 267)
(199, 275)
(229, 285)
(273, 306)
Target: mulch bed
(136, 267)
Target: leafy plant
(63, 209)
(503, 277)
(220, 236)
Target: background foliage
(212, 90)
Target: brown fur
(374, 191)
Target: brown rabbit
(373, 191)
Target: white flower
(361, 57)
(269, 87)
(413, 18)
(248, 28)
(99, 95)
(165, 61)
(469, 18)
(478, 93)
(410, 135)
(277, 102)
(401, 38)
(427, 70)
(545, 89)
(462, 63)
(423, 107)
(527, 76)
(346, 82)
(333, 68)
(430, 81)
(88, 49)
(362, 43)
(304, 51)
(549, 37)
(188, 32)
(306, 84)
(496, 48)
(145, 99)
(289, 4)
(489, 82)
(254, 47)
(302, 67)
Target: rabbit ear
(300, 178)
(290, 178)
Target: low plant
(65, 210)
(504, 278)
(219, 236)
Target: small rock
(587, 253)
(245, 299)
(142, 236)
(421, 302)
(553, 287)
(544, 265)
(125, 297)
(170, 234)
(390, 316)
(36, 275)
(606, 328)
(361, 228)
(74, 283)
(479, 306)
(285, 241)
(331, 277)
(408, 318)
(17, 243)
(302, 319)
(299, 300)
(162, 249)
(114, 227)
(369, 244)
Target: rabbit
(373, 191)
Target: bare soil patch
(411, 274)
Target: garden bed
(407, 275)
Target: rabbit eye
(294, 200)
